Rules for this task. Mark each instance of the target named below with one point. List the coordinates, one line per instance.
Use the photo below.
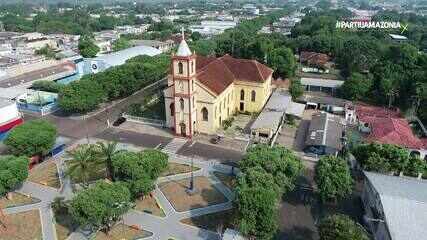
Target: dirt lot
(227, 180)
(206, 195)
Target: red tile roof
(393, 131)
(218, 73)
(314, 58)
(364, 110)
(388, 126)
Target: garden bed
(64, 224)
(206, 194)
(121, 231)
(22, 226)
(213, 221)
(227, 180)
(176, 168)
(149, 205)
(45, 174)
(16, 199)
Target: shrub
(341, 227)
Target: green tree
(139, 170)
(46, 51)
(415, 166)
(382, 157)
(283, 62)
(81, 96)
(82, 163)
(13, 171)
(278, 161)
(204, 47)
(196, 36)
(101, 205)
(296, 89)
(120, 44)
(107, 152)
(35, 137)
(48, 86)
(333, 178)
(356, 87)
(257, 192)
(87, 47)
(341, 227)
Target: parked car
(119, 121)
(216, 139)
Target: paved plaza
(162, 228)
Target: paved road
(209, 152)
(78, 128)
(138, 139)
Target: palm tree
(81, 163)
(107, 152)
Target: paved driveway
(137, 139)
(210, 152)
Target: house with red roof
(386, 126)
(203, 92)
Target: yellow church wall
(262, 92)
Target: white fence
(142, 120)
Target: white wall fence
(146, 121)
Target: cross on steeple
(182, 33)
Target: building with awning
(274, 114)
(321, 85)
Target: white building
(210, 28)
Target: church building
(203, 91)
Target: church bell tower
(183, 75)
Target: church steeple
(183, 49)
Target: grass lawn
(206, 195)
(99, 172)
(212, 221)
(121, 231)
(227, 180)
(46, 174)
(64, 224)
(176, 168)
(16, 199)
(22, 226)
(148, 205)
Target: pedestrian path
(163, 228)
(174, 145)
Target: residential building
(386, 126)
(211, 28)
(398, 38)
(204, 91)
(329, 86)
(162, 46)
(395, 207)
(325, 134)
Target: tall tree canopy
(341, 227)
(101, 205)
(333, 178)
(35, 137)
(13, 171)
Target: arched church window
(180, 68)
(205, 114)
